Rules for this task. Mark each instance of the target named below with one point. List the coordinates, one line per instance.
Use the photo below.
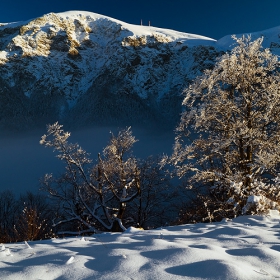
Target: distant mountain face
(82, 68)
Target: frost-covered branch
(88, 194)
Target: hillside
(83, 68)
(87, 68)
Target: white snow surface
(138, 30)
(247, 247)
(270, 37)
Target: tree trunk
(116, 224)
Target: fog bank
(24, 161)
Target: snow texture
(243, 248)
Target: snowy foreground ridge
(244, 248)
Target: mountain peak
(36, 37)
(81, 67)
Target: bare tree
(93, 196)
(25, 218)
(155, 206)
(227, 142)
(34, 220)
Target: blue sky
(215, 18)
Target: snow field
(246, 248)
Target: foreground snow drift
(245, 248)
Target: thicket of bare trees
(159, 201)
(114, 192)
(25, 218)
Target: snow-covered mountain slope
(94, 69)
(271, 39)
(83, 68)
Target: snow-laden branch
(89, 194)
(234, 112)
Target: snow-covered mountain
(83, 68)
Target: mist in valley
(24, 161)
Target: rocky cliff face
(82, 68)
